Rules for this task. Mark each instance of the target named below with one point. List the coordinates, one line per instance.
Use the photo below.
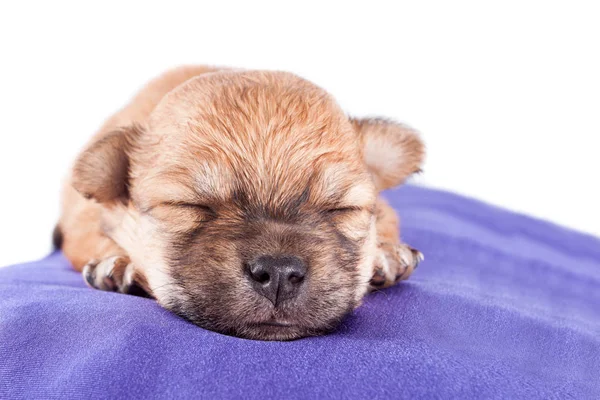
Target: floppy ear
(392, 151)
(101, 172)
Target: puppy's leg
(103, 263)
(115, 274)
(395, 260)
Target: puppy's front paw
(394, 263)
(113, 274)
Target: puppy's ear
(102, 171)
(391, 151)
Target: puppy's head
(247, 201)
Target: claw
(418, 256)
(404, 257)
(378, 278)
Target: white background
(507, 95)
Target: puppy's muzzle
(277, 278)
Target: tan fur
(83, 238)
(257, 162)
(381, 141)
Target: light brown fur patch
(206, 170)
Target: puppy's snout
(277, 278)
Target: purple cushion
(504, 306)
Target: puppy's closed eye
(201, 212)
(191, 206)
(183, 217)
(340, 210)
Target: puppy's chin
(277, 332)
(268, 330)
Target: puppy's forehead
(259, 132)
(241, 109)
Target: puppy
(243, 201)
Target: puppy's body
(244, 201)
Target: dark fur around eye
(209, 211)
(343, 210)
(200, 207)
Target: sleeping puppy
(243, 201)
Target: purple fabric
(504, 306)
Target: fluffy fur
(206, 170)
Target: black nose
(277, 278)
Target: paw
(394, 263)
(113, 274)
